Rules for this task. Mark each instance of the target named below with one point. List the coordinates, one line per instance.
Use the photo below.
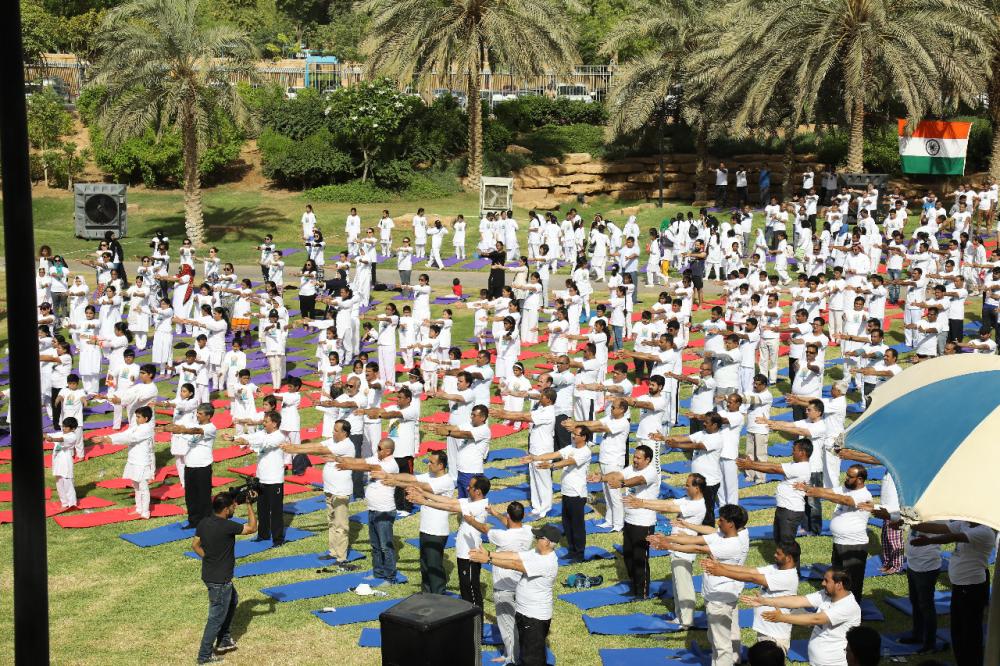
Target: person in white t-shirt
(790, 502)
(381, 502)
(197, 463)
(540, 439)
(968, 571)
(573, 460)
(612, 457)
(468, 538)
(777, 580)
(337, 488)
(706, 447)
(690, 509)
(533, 596)
(836, 612)
(757, 403)
(513, 538)
(849, 523)
(729, 545)
(641, 479)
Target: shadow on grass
(247, 610)
(233, 224)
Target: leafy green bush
(430, 135)
(295, 118)
(496, 136)
(423, 186)
(980, 144)
(882, 150)
(530, 113)
(393, 174)
(305, 163)
(502, 164)
(557, 140)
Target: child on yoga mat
(184, 406)
(63, 447)
(140, 465)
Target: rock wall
(547, 185)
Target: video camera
(242, 494)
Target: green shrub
(393, 174)
(432, 185)
(882, 150)
(423, 185)
(430, 135)
(980, 144)
(557, 140)
(301, 164)
(530, 113)
(295, 118)
(496, 136)
(502, 164)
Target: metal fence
(584, 82)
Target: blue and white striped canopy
(936, 427)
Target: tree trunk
(856, 145)
(788, 161)
(194, 221)
(364, 165)
(701, 158)
(475, 110)
(994, 101)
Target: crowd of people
(602, 408)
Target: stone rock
(514, 149)
(577, 158)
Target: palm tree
(410, 38)
(167, 66)
(873, 51)
(643, 85)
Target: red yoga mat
(8, 495)
(176, 490)
(431, 445)
(311, 475)
(55, 508)
(123, 515)
(229, 452)
(436, 417)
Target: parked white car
(577, 93)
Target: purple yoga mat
(256, 364)
(451, 261)
(300, 333)
(445, 300)
(476, 264)
(300, 372)
(291, 250)
(4, 441)
(402, 297)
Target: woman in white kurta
(436, 234)
(140, 464)
(185, 409)
(387, 326)
(508, 348)
(110, 312)
(458, 237)
(529, 309)
(90, 350)
(163, 335)
(63, 445)
(581, 276)
(515, 383)
(114, 349)
(138, 312)
(79, 297)
(273, 336)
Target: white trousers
(684, 594)
(723, 632)
(66, 490)
(387, 364)
(504, 604)
(768, 360)
(614, 509)
(730, 490)
(141, 497)
(179, 464)
(541, 489)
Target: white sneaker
(402, 514)
(605, 525)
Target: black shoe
(278, 543)
(189, 526)
(327, 557)
(225, 645)
(214, 659)
(909, 639)
(348, 567)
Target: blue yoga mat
(591, 526)
(450, 543)
(942, 603)
(657, 655)
(765, 532)
(653, 552)
(309, 505)
(870, 612)
(352, 614)
(677, 467)
(505, 454)
(360, 517)
(490, 655)
(639, 624)
(290, 563)
(780, 450)
(372, 637)
(321, 587)
(160, 535)
(891, 647)
(504, 495)
(494, 473)
(246, 547)
(757, 502)
(620, 593)
(589, 553)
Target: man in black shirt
(215, 543)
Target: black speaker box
(430, 630)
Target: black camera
(242, 494)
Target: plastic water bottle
(328, 609)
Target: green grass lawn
(111, 602)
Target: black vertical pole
(662, 120)
(31, 597)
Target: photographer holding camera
(215, 543)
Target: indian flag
(935, 146)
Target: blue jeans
(222, 600)
(462, 483)
(894, 274)
(383, 550)
(617, 337)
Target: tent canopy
(936, 427)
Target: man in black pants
(791, 502)
(468, 538)
(197, 463)
(574, 460)
(849, 524)
(970, 581)
(533, 597)
(215, 544)
(271, 472)
(643, 478)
